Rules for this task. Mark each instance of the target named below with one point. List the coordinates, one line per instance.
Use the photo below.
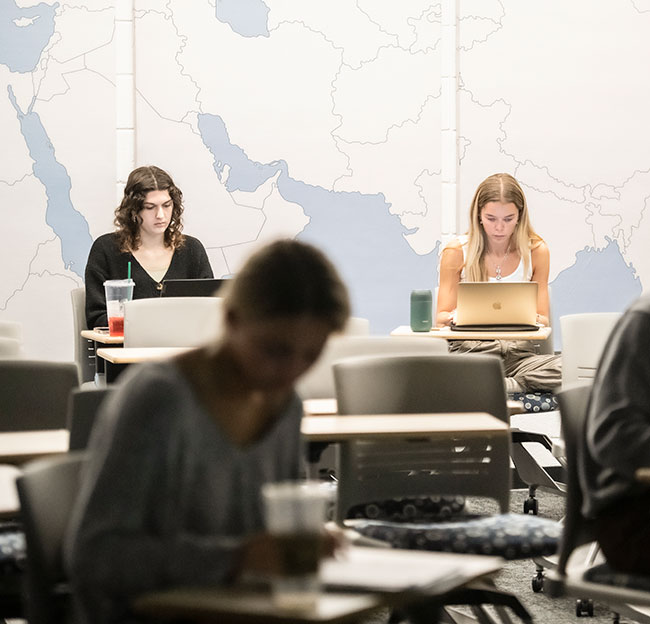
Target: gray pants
(531, 370)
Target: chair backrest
(375, 471)
(357, 326)
(171, 321)
(318, 382)
(577, 530)
(84, 353)
(584, 337)
(11, 329)
(421, 383)
(47, 490)
(83, 407)
(10, 348)
(35, 394)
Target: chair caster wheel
(531, 506)
(538, 583)
(585, 606)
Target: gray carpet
(516, 576)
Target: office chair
(584, 337)
(372, 472)
(47, 490)
(35, 394)
(10, 348)
(419, 384)
(84, 351)
(318, 381)
(83, 407)
(587, 577)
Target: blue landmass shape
(599, 281)
(248, 18)
(21, 46)
(68, 224)
(355, 230)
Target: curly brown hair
(127, 214)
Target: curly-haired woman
(149, 235)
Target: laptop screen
(496, 303)
(191, 287)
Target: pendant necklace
(497, 268)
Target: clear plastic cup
(295, 513)
(118, 292)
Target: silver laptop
(499, 306)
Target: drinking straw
(128, 274)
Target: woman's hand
(261, 554)
(444, 318)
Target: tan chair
(10, 348)
(171, 321)
(318, 382)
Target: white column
(449, 122)
(124, 92)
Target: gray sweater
(617, 437)
(167, 498)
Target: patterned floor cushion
(536, 401)
(405, 509)
(512, 536)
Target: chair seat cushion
(536, 401)
(511, 536)
(604, 574)
(12, 548)
(410, 509)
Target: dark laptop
(207, 287)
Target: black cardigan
(106, 262)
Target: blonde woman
(501, 245)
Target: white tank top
(516, 276)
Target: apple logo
(496, 305)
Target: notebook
(496, 306)
(395, 570)
(191, 287)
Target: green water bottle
(421, 310)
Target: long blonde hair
(500, 187)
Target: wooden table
(342, 428)
(435, 574)
(328, 407)
(101, 337)
(116, 359)
(447, 334)
(19, 447)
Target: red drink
(116, 326)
